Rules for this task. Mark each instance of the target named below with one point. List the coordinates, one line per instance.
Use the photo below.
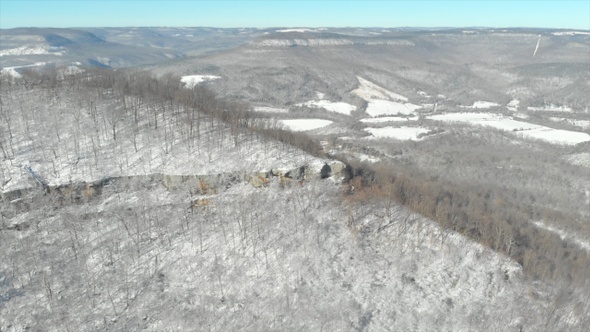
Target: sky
(573, 14)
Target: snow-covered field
(191, 80)
(557, 136)
(378, 107)
(520, 128)
(389, 119)
(481, 104)
(368, 90)
(337, 107)
(401, 133)
(382, 101)
(305, 124)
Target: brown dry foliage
(487, 215)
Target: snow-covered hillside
(274, 258)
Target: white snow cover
(523, 129)
(513, 105)
(11, 71)
(377, 107)
(337, 107)
(365, 157)
(388, 119)
(305, 124)
(296, 30)
(578, 123)
(28, 50)
(558, 136)
(580, 159)
(564, 235)
(265, 109)
(481, 104)
(551, 108)
(368, 90)
(571, 33)
(72, 70)
(305, 42)
(402, 133)
(380, 100)
(192, 80)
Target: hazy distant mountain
(114, 47)
(288, 65)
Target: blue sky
(573, 14)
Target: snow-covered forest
(131, 202)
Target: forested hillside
(133, 203)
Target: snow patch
(377, 107)
(366, 157)
(481, 104)
(551, 108)
(296, 30)
(578, 123)
(401, 133)
(27, 50)
(388, 119)
(522, 129)
(11, 71)
(564, 235)
(571, 33)
(305, 42)
(305, 124)
(513, 105)
(368, 90)
(191, 80)
(579, 159)
(558, 136)
(337, 107)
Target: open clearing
(336, 107)
(523, 129)
(305, 124)
(402, 133)
(191, 80)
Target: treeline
(489, 215)
(201, 103)
(162, 101)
